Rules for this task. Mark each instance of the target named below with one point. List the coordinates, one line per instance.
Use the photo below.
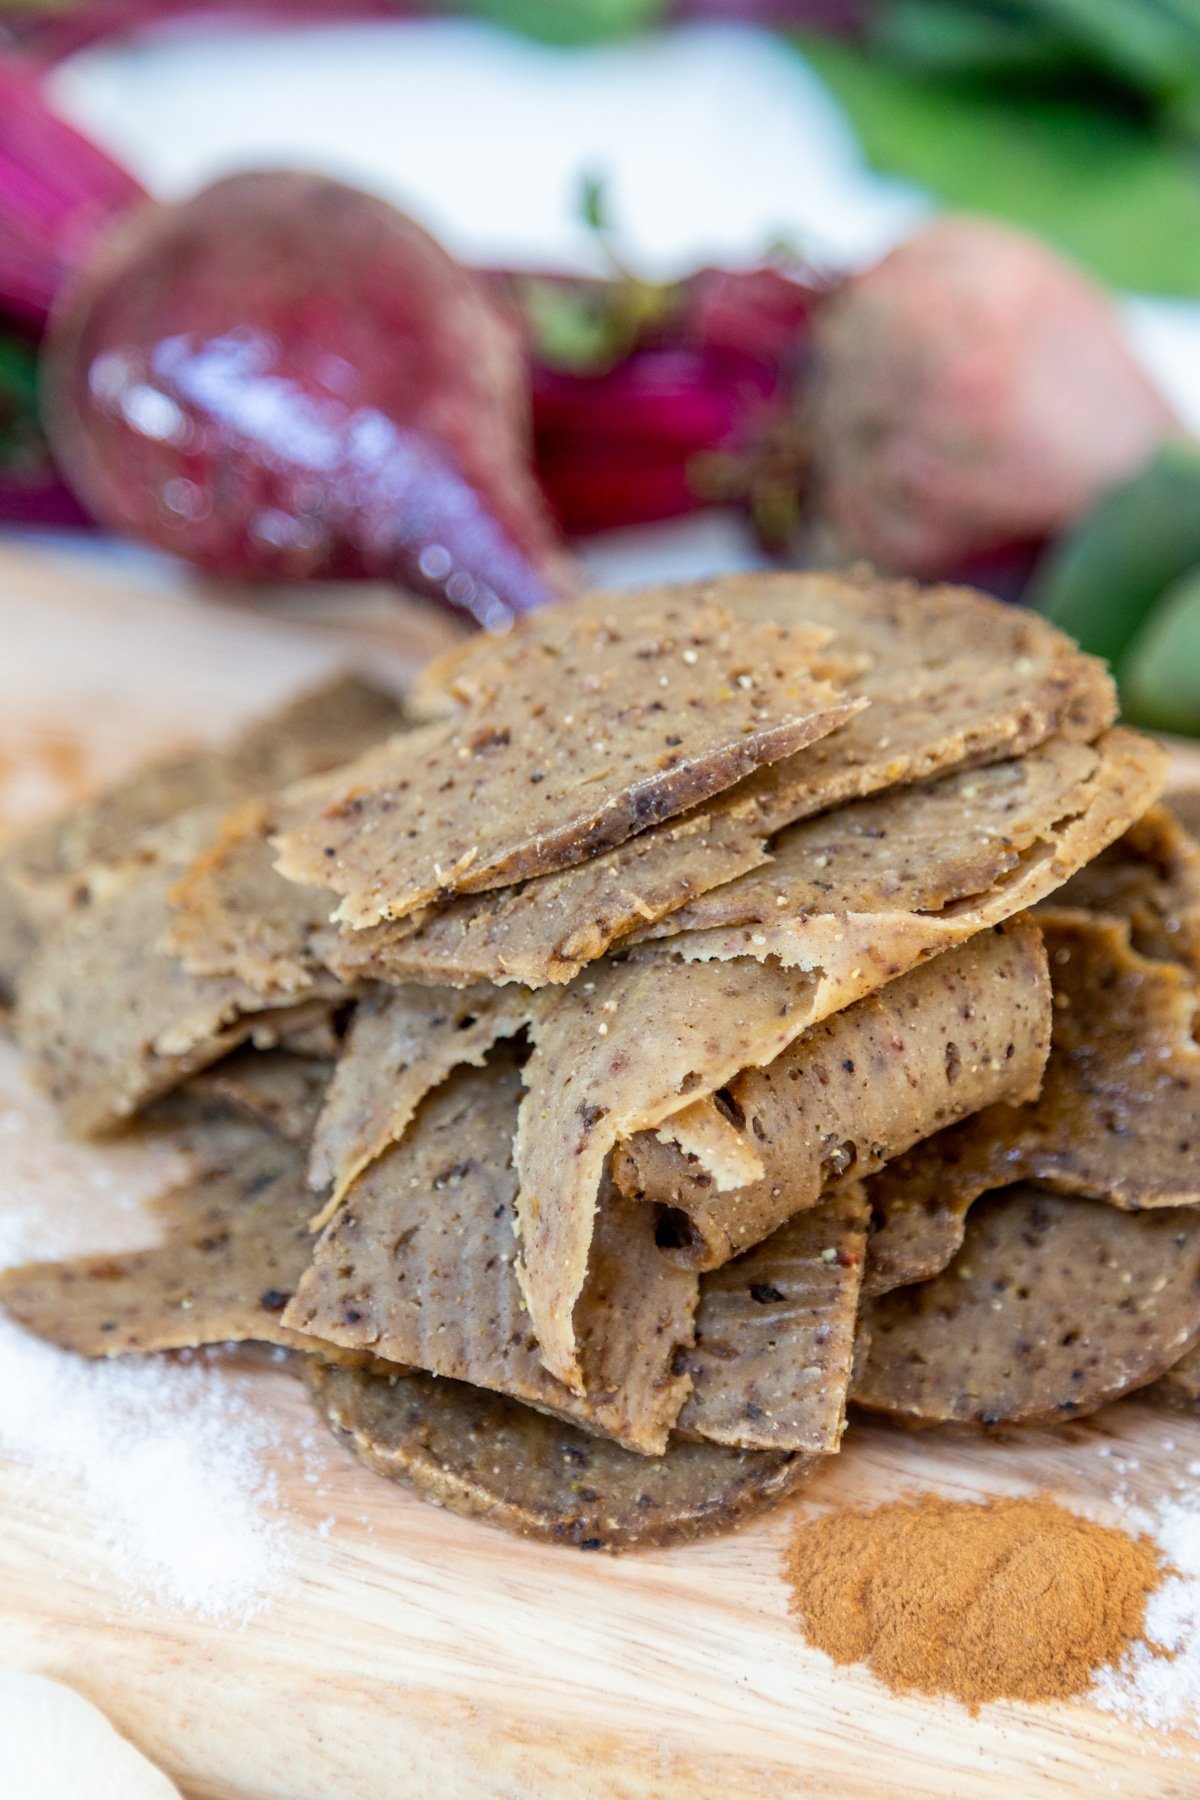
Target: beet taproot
(285, 378)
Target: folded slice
(275, 1088)
(488, 1457)
(615, 1054)
(1118, 1117)
(925, 866)
(401, 1044)
(1179, 1388)
(1053, 1306)
(1150, 876)
(422, 1254)
(965, 1029)
(774, 1347)
(544, 931)
(418, 1268)
(317, 731)
(637, 1041)
(108, 1019)
(236, 1243)
(590, 726)
(952, 679)
(233, 914)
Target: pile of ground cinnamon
(996, 1600)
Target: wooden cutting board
(408, 1653)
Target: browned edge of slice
(641, 712)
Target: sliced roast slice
(401, 1044)
(317, 731)
(1052, 1306)
(1118, 1117)
(109, 1019)
(637, 1041)
(963, 1030)
(488, 1457)
(236, 1243)
(952, 679)
(417, 1268)
(586, 725)
(774, 1347)
(1150, 876)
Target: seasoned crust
(1118, 1117)
(953, 680)
(969, 1027)
(488, 1457)
(1053, 1306)
(587, 725)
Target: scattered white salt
(160, 1466)
(1157, 1683)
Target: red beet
(57, 191)
(688, 396)
(972, 391)
(286, 378)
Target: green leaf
(948, 38)
(1153, 45)
(567, 22)
(1160, 677)
(573, 327)
(23, 448)
(1119, 197)
(593, 203)
(1101, 579)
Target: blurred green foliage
(1145, 50)
(1113, 180)
(1125, 583)
(22, 444)
(1160, 677)
(566, 22)
(1100, 580)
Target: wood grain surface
(407, 1653)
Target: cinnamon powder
(994, 1600)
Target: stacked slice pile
(563, 1044)
(1033, 1262)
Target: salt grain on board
(1153, 1688)
(162, 1464)
(1157, 1683)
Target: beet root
(285, 378)
(972, 390)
